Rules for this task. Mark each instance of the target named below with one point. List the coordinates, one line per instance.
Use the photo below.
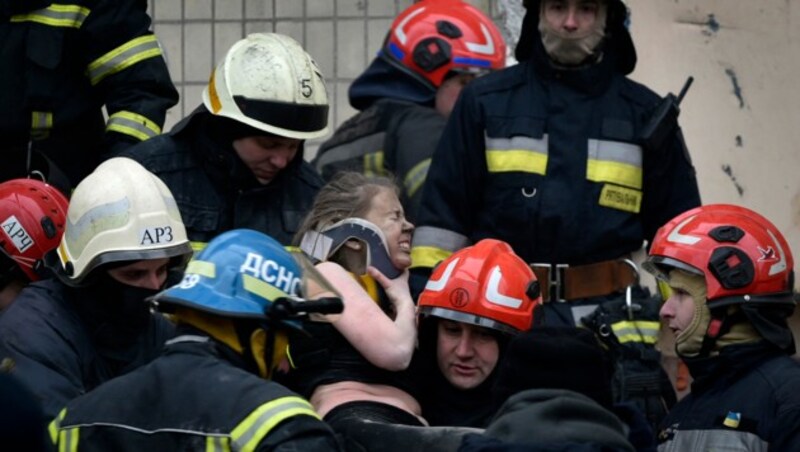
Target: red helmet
(485, 285)
(434, 37)
(33, 216)
(742, 255)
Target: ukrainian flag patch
(732, 419)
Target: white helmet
(120, 212)
(269, 82)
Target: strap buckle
(556, 279)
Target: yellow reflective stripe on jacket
(55, 424)
(416, 177)
(70, 16)
(41, 123)
(258, 424)
(132, 124)
(615, 162)
(124, 56)
(68, 439)
(432, 245)
(427, 256)
(198, 246)
(373, 164)
(636, 331)
(217, 444)
(523, 154)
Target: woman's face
(386, 212)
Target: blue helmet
(240, 274)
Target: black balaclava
(115, 313)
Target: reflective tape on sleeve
(644, 331)
(123, 57)
(132, 124)
(432, 245)
(41, 123)
(416, 177)
(373, 164)
(66, 16)
(258, 424)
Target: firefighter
(474, 303)
(33, 216)
(209, 389)
(552, 157)
(237, 160)
(732, 278)
(61, 64)
(433, 49)
(64, 336)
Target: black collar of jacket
(732, 362)
(187, 340)
(593, 79)
(215, 152)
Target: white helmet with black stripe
(269, 82)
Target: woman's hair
(348, 195)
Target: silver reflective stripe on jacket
(713, 440)
(351, 150)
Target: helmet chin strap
(321, 245)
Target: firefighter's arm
(670, 182)
(453, 186)
(126, 68)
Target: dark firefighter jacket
(60, 349)
(747, 398)
(61, 61)
(395, 133)
(196, 396)
(214, 189)
(551, 162)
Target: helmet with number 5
(268, 82)
(486, 285)
(120, 212)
